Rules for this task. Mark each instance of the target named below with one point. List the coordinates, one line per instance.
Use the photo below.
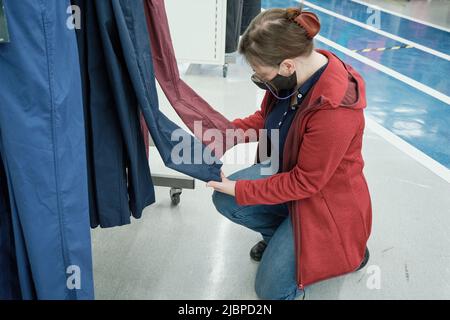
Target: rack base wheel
(225, 70)
(175, 194)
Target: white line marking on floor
(410, 150)
(381, 32)
(429, 24)
(413, 83)
(425, 186)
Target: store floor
(191, 252)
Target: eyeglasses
(260, 83)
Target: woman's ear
(287, 67)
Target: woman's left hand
(226, 186)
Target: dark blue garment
(282, 114)
(44, 217)
(118, 82)
(119, 176)
(9, 279)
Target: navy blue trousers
(118, 82)
(45, 244)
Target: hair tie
(305, 19)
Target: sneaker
(365, 260)
(257, 251)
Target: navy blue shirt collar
(311, 81)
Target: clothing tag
(4, 35)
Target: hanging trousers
(45, 244)
(119, 84)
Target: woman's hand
(226, 186)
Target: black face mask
(277, 84)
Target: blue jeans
(276, 276)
